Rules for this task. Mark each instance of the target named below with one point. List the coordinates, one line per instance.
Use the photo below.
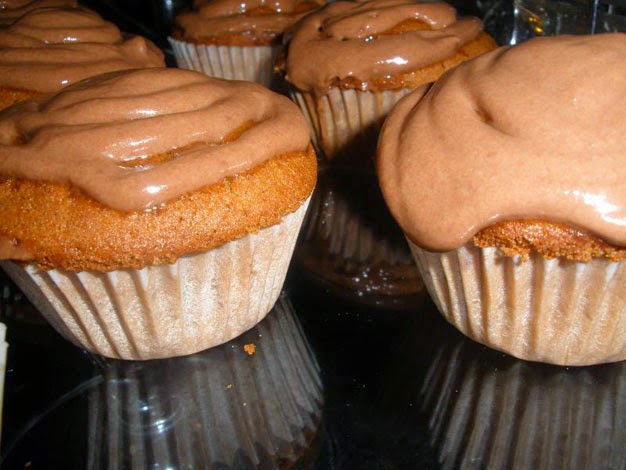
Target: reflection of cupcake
(217, 409)
(50, 48)
(350, 62)
(497, 412)
(235, 39)
(507, 178)
(11, 10)
(351, 244)
(157, 209)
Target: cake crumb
(249, 348)
(229, 386)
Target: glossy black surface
(398, 390)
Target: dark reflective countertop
(329, 386)
(333, 382)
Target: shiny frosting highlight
(217, 17)
(346, 39)
(536, 131)
(102, 135)
(49, 48)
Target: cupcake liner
(198, 302)
(556, 311)
(499, 413)
(216, 409)
(251, 63)
(350, 241)
(346, 123)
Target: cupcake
(152, 212)
(219, 408)
(11, 10)
(350, 62)
(507, 179)
(49, 48)
(235, 39)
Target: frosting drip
(10, 10)
(103, 134)
(54, 47)
(530, 132)
(219, 17)
(347, 39)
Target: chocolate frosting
(49, 48)
(345, 39)
(101, 135)
(218, 17)
(10, 10)
(536, 131)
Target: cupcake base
(346, 123)
(200, 301)
(555, 311)
(251, 63)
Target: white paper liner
(522, 415)
(251, 63)
(347, 122)
(216, 409)
(198, 302)
(555, 311)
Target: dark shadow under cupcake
(351, 244)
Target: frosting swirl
(349, 39)
(136, 139)
(260, 19)
(53, 47)
(530, 132)
(10, 10)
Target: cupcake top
(10, 10)
(353, 43)
(240, 23)
(49, 48)
(151, 163)
(535, 131)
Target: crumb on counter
(250, 349)
(229, 386)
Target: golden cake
(153, 212)
(351, 61)
(235, 39)
(507, 178)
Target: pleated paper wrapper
(200, 301)
(251, 63)
(555, 311)
(219, 408)
(514, 415)
(346, 123)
